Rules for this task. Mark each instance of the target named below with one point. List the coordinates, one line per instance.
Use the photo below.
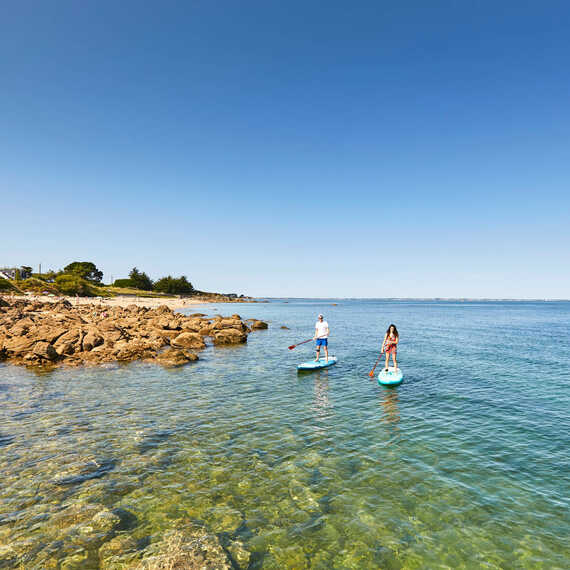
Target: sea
(464, 465)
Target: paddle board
(390, 378)
(316, 364)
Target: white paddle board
(391, 377)
(316, 364)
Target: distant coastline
(81, 282)
(122, 300)
(445, 299)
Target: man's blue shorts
(322, 342)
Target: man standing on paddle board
(322, 337)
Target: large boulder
(111, 332)
(21, 327)
(70, 342)
(222, 324)
(45, 351)
(167, 336)
(188, 340)
(229, 336)
(258, 325)
(192, 325)
(92, 339)
(47, 332)
(161, 322)
(133, 350)
(176, 323)
(19, 345)
(175, 357)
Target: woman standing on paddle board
(322, 337)
(390, 345)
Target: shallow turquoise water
(464, 465)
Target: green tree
(140, 280)
(174, 285)
(48, 276)
(70, 284)
(123, 283)
(17, 275)
(85, 270)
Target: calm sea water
(465, 465)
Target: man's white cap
(320, 316)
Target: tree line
(83, 277)
(140, 280)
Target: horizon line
(542, 300)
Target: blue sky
(363, 149)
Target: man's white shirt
(322, 329)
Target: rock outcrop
(257, 325)
(36, 333)
(190, 547)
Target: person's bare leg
(326, 353)
(387, 359)
(318, 355)
(395, 363)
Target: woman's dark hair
(395, 330)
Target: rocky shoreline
(35, 333)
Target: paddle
(294, 345)
(371, 373)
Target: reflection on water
(321, 402)
(389, 403)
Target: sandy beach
(118, 301)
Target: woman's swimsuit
(390, 345)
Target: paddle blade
(292, 346)
(371, 373)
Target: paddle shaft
(371, 373)
(294, 345)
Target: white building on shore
(10, 273)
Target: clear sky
(288, 148)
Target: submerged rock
(188, 547)
(106, 521)
(74, 514)
(224, 519)
(302, 496)
(239, 553)
(117, 546)
(289, 557)
(80, 472)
